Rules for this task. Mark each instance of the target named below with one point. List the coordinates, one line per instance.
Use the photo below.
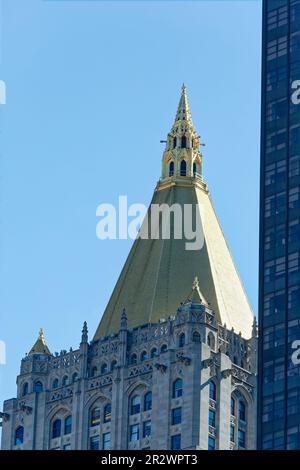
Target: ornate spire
(183, 115)
(195, 296)
(182, 156)
(84, 336)
(123, 320)
(40, 346)
(254, 328)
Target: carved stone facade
(98, 396)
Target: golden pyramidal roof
(158, 273)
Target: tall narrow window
(212, 390)
(183, 168)
(95, 416)
(134, 432)
(171, 169)
(212, 418)
(242, 411)
(135, 405)
(19, 436)
(232, 406)
(38, 387)
(106, 441)
(104, 368)
(177, 388)
(94, 371)
(174, 142)
(133, 359)
(194, 168)
(68, 425)
(183, 142)
(94, 443)
(65, 381)
(144, 356)
(211, 443)
(176, 416)
(148, 401)
(146, 428)
(176, 442)
(181, 340)
(56, 428)
(107, 413)
(196, 337)
(25, 389)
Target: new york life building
(173, 362)
(279, 304)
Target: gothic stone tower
(172, 364)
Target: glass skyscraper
(279, 291)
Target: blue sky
(92, 87)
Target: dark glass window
(177, 388)
(176, 442)
(211, 443)
(232, 406)
(25, 389)
(183, 168)
(56, 428)
(171, 169)
(38, 387)
(212, 390)
(135, 405)
(212, 418)
(232, 433)
(241, 439)
(107, 413)
(183, 142)
(176, 416)
(181, 340)
(94, 443)
(147, 428)
(144, 356)
(106, 441)
(68, 425)
(19, 435)
(242, 411)
(134, 432)
(95, 416)
(148, 401)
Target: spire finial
(123, 320)
(196, 283)
(40, 345)
(84, 336)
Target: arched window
(177, 388)
(181, 342)
(94, 371)
(148, 401)
(113, 364)
(232, 406)
(196, 337)
(95, 416)
(144, 356)
(135, 405)
(242, 410)
(65, 380)
(164, 348)
(19, 435)
(183, 168)
(194, 168)
(56, 428)
(104, 368)
(211, 340)
(74, 377)
(174, 142)
(55, 383)
(133, 359)
(171, 169)
(25, 389)
(38, 387)
(153, 353)
(107, 413)
(183, 142)
(68, 424)
(212, 390)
